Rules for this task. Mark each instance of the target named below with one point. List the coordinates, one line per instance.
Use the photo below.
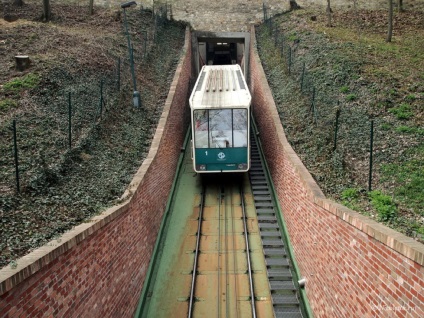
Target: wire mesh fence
(62, 117)
(79, 137)
(337, 123)
(355, 133)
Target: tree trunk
(22, 62)
(46, 10)
(91, 7)
(400, 5)
(328, 13)
(18, 3)
(294, 5)
(390, 28)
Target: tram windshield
(220, 128)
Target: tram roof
(220, 86)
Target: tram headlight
(201, 167)
(242, 166)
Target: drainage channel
(284, 292)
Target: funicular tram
(220, 117)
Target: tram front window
(220, 128)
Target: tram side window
(220, 128)
(201, 128)
(240, 127)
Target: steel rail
(235, 263)
(252, 294)
(227, 254)
(196, 256)
(219, 252)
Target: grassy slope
(61, 188)
(354, 72)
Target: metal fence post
(276, 37)
(289, 59)
(302, 76)
(371, 153)
(136, 94)
(144, 43)
(119, 74)
(101, 97)
(336, 128)
(312, 108)
(69, 121)
(15, 148)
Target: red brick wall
(98, 269)
(354, 267)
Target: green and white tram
(220, 117)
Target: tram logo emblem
(221, 156)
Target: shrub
(410, 98)
(402, 112)
(344, 89)
(386, 126)
(349, 198)
(410, 130)
(384, 205)
(350, 194)
(28, 81)
(351, 97)
(7, 104)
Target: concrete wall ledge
(393, 239)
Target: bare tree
(329, 11)
(390, 28)
(293, 5)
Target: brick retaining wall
(98, 268)
(354, 267)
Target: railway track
(222, 283)
(230, 209)
(221, 252)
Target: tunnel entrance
(220, 48)
(221, 53)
